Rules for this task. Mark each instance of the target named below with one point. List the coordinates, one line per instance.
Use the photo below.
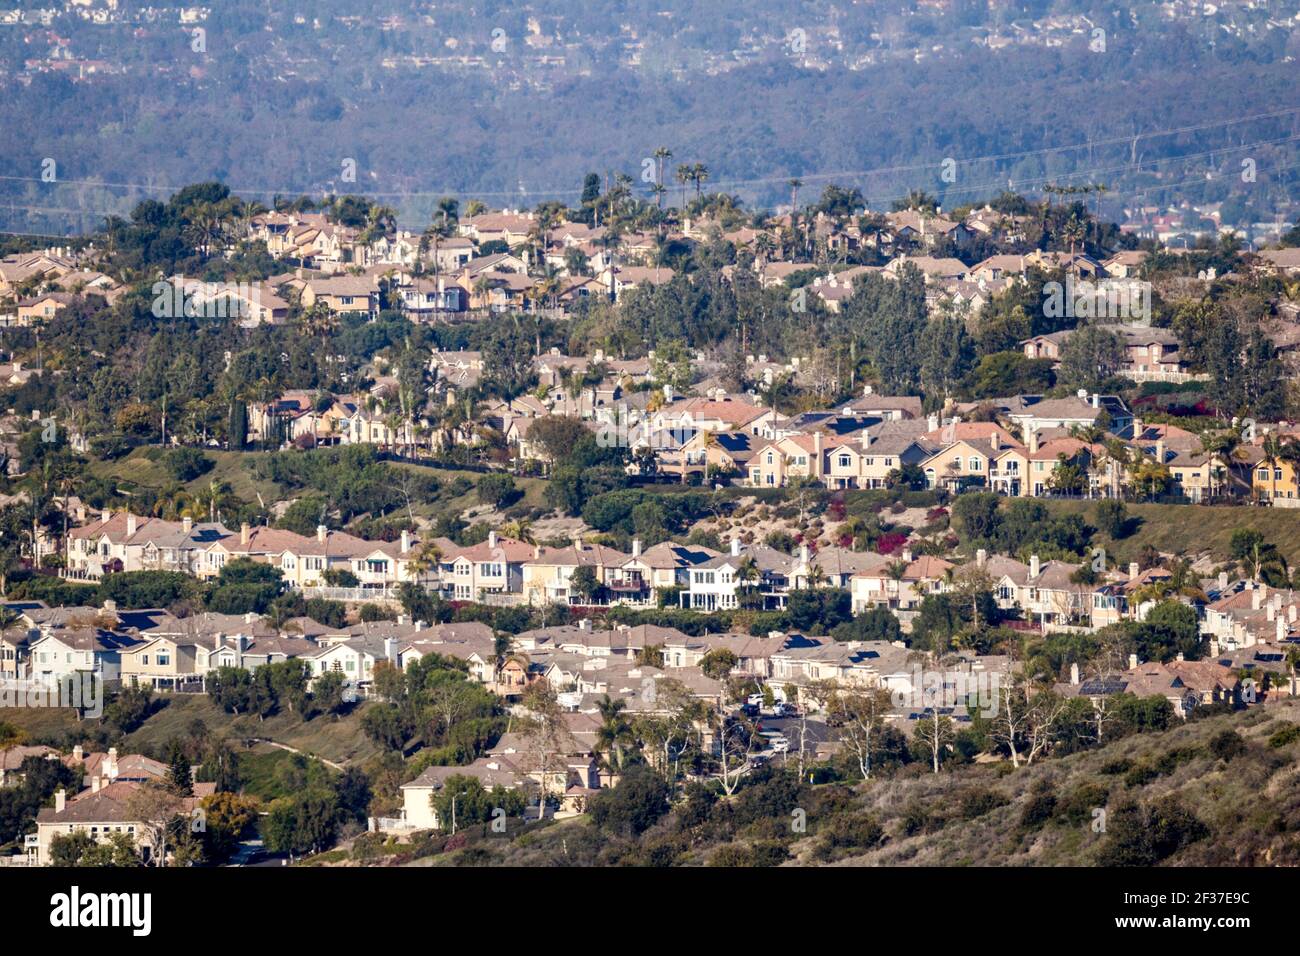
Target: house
(663, 567)
(42, 308)
(102, 812)
(548, 575)
(899, 585)
(162, 663)
(12, 758)
(754, 574)
(1082, 410)
(494, 566)
(126, 542)
(355, 658)
(417, 796)
(341, 294)
(69, 651)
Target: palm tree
(521, 529)
(1119, 457)
(683, 176)
(661, 155)
(699, 175)
(614, 737)
(1223, 447)
(1271, 449)
(896, 570)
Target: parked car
(780, 744)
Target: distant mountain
(514, 103)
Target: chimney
(933, 422)
(1281, 629)
(1033, 566)
(60, 800)
(1132, 662)
(1137, 428)
(1291, 613)
(1133, 569)
(406, 541)
(1180, 657)
(1256, 598)
(817, 455)
(1096, 400)
(1270, 612)
(1074, 673)
(243, 534)
(803, 553)
(1223, 581)
(390, 650)
(105, 515)
(187, 524)
(995, 440)
(1160, 451)
(492, 539)
(95, 783)
(584, 624)
(321, 532)
(110, 764)
(636, 547)
(130, 524)
(907, 555)
(1033, 442)
(735, 547)
(78, 754)
(537, 551)
(981, 556)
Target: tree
(859, 719)
(463, 801)
(585, 586)
(227, 818)
(933, 736)
(1089, 357)
(497, 490)
(718, 663)
(180, 780)
(546, 733)
(632, 807)
(1027, 716)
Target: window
(844, 461)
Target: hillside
(1187, 796)
(1191, 529)
(338, 740)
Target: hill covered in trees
(505, 101)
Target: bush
(979, 801)
(634, 806)
(186, 464)
(496, 490)
(1288, 734)
(1227, 744)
